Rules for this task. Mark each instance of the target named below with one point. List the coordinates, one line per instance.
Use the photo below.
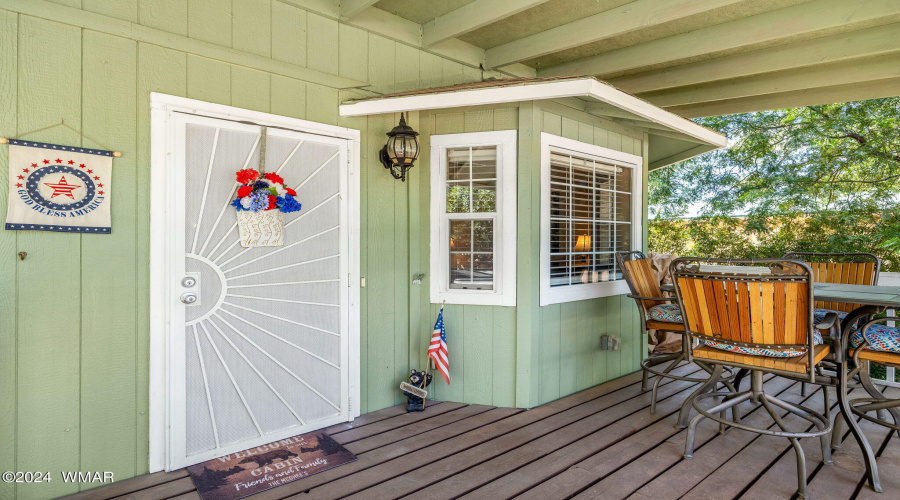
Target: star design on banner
(62, 188)
(26, 170)
(96, 178)
(71, 162)
(58, 160)
(90, 171)
(46, 162)
(81, 166)
(18, 185)
(21, 177)
(100, 192)
(34, 165)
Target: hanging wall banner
(58, 188)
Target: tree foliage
(823, 178)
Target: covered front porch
(599, 443)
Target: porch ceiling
(692, 57)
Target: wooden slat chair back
(843, 268)
(641, 279)
(768, 311)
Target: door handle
(189, 297)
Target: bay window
(590, 209)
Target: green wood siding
(74, 355)
(569, 354)
(482, 339)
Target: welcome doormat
(258, 469)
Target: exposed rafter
(472, 16)
(808, 97)
(826, 75)
(620, 20)
(802, 20)
(350, 8)
(880, 40)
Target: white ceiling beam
(350, 8)
(472, 16)
(826, 75)
(806, 19)
(808, 97)
(620, 20)
(880, 40)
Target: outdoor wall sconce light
(401, 150)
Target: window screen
(590, 219)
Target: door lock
(189, 298)
(188, 281)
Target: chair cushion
(819, 315)
(881, 338)
(667, 313)
(762, 351)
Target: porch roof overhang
(674, 138)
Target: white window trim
(504, 292)
(549, 142)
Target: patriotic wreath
(257, 194)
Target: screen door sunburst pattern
(261, 351)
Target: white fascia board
(470, 97)
(584, 87)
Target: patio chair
(657, 313)
(759, 322)
(876, 342)
(844, 268)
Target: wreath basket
(262, 200)
(261, 229)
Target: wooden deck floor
(598, 443)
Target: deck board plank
(597, 431)
(390, 424)
(597, 443)
(686, 474)
(620, 436)
(129, 485)
(659, 461)
(393, 480)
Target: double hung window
(473, 200)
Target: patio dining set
(818, 319)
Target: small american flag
(437, 351)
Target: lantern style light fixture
(401, 150)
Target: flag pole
(428, 358)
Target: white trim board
(163, 109)
(579, 87)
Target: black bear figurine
(420, 380)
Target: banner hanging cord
(5, 140)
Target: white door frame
(162, 109)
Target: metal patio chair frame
(859, 366)
(723, 314)
(649, 364)
(833, 268)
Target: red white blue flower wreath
(257, 194)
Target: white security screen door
(258, 344)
